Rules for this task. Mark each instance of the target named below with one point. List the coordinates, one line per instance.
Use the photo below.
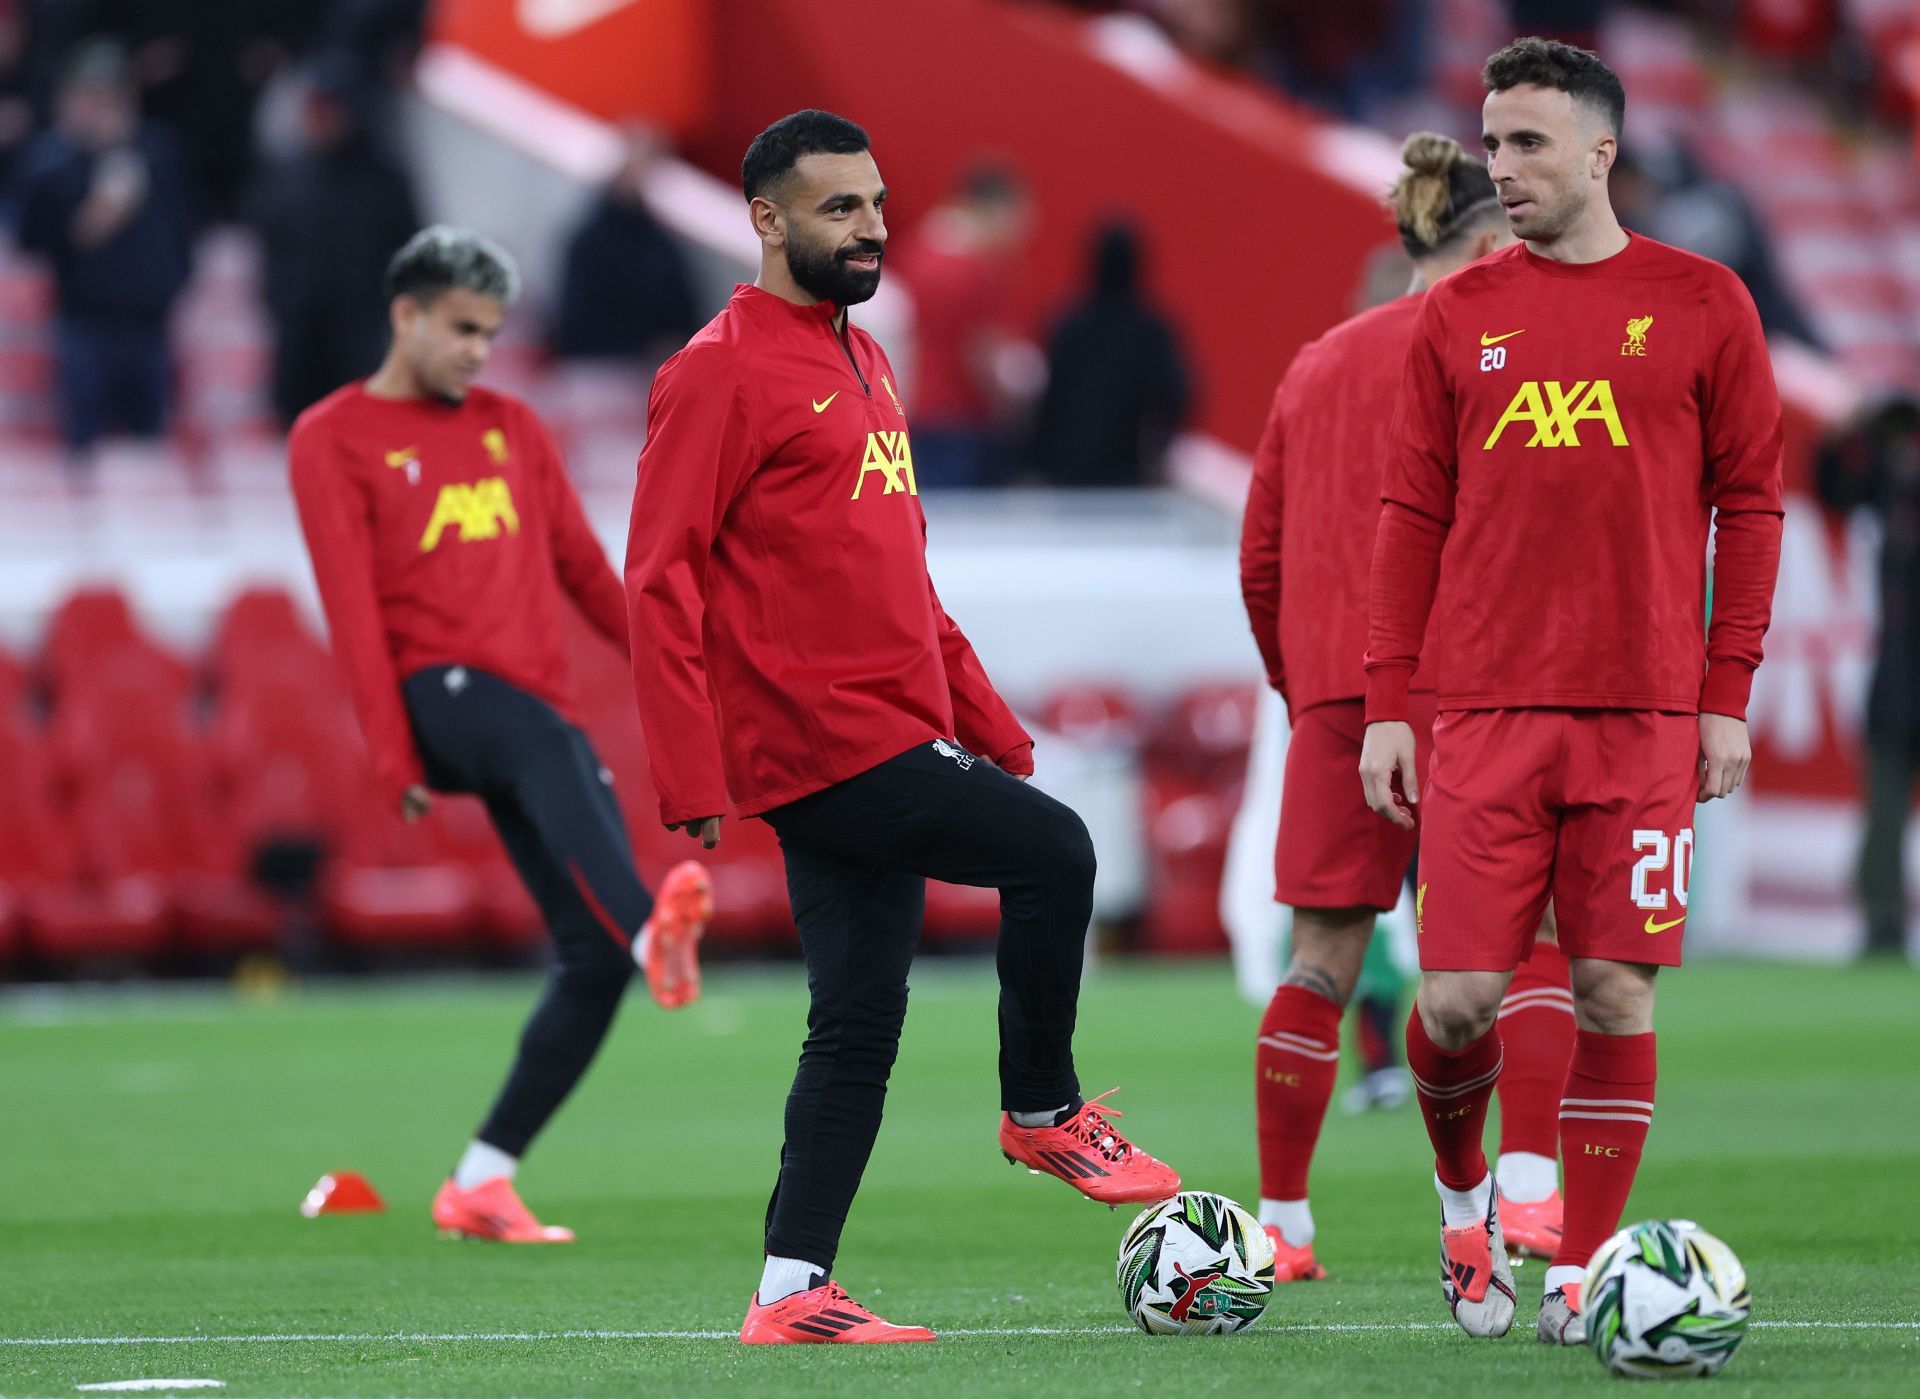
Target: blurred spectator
(959, 265)
(1875, 465)
(1117, 387)
(1663, 192)
(1348, 59)
(103, 197)
(200, 65)
(329, 219)
(625, 291)
(17, 117)
(1570, 21)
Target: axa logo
(478, 511)
(889, 454)
(1555, 411)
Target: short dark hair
(776, 150)
(439, 258)
(1549, 63)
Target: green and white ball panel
(1665, 1299)
(1195, 1265)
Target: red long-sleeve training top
(1564, 436)
(786, 634)
(443, 535)
(1307, 540)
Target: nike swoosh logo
(820, 404)
(403, 456)
(1653, 927)
(1486, 339)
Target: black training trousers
(552, 803)
(858, 856)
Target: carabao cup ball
(1195, 1265)
(1664, 1299)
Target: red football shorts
(1333, 851)
(1592, 808)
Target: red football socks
(1536, 1030)
(1454, 1088)
(1294, 1068)
(1604, 1118)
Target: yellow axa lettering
(889, 454)
(478, 510)
(1556, 411)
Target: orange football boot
(1088, 1153)
(820, 1316)
(1292, 1264)
(492, 1210)
(672, 935)
(1533, 1227)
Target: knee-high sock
(1294, 1068)
(1454, 1088)
(1536, 1033)
(1604, 1118)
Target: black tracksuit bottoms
(552, 802)
(858, 856)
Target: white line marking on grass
(155, 1384)
(455, 1337)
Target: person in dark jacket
(1874, 464)
(625, 293)
(1116, 383)
(329, 218)
(103, 197)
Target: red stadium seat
(134, 787)
(1094, 714)
(393, 883)
(262, 626)
(1192, 771)
(89, 625)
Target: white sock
(482, 1163)
(1564, 1274)
(1292, 1218)
(782, 1277)
(1038, 1119)
(1526, 1176)
(1459, 1208)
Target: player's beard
(824, 272)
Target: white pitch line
(415, 1337)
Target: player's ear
(1604, 154)
(769, 222)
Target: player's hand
(1387, 753)
(415, 802)
(1725, 755)
(705, 829)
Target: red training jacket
(443, 535)
(786, 635)
(1565, 436)
(1306, 543)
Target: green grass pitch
(153, 1150)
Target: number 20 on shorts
(1660, 854)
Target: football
(1195, 1265)
(1665, 1299)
